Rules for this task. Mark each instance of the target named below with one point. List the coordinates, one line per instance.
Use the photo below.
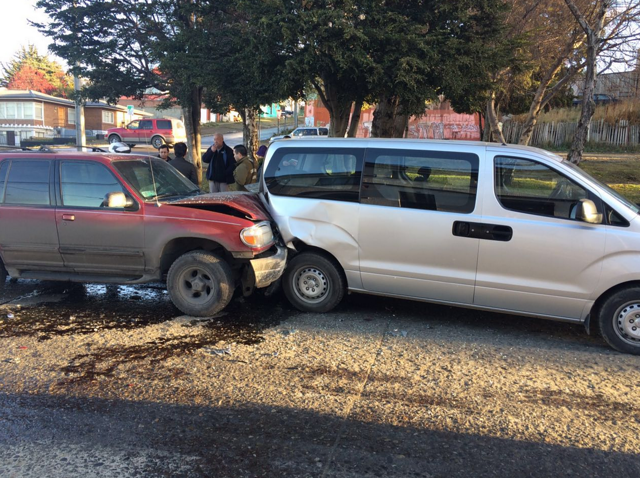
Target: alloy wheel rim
(196, 286)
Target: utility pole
(81, 140)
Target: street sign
(130, 111)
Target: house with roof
(26, 114)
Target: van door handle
(478, 230)
(501, 233)
(68, 217)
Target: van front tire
(200, 283)
(313, 282)
(619, 320)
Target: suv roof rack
(41, 149)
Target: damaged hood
(246, 204)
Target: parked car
(130, 219)
(303, 131)
(154, 131)
(503, 228)
(598, 98)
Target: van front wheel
(619, 320)
(313, 282)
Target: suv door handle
(68, 217)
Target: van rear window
(321, 173)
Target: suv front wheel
(200, 283)
(114, 138)
(3, 275)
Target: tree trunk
(588, 106)
(250, 131)
(400, 124)
(383, 125)
(355, 119)
(338, 105)
(492, 120)
(191, 113)
(537, 104)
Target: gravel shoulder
(378, 388)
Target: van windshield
(580, 172)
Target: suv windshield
(155, 179)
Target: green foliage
(30, 70)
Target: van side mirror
(118, 200)
(586, 211)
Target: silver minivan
(497, 227)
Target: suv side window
(530, 187)
(322, 173)
(164, 124)
(85, 184)
(4, 167)
(146, 124)
(432, 180)
(28, 183)
(323, 131)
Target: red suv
(155, 131)
(128, 219)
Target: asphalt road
(111, 381)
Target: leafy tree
(30, 70)
(425, 49)
(609, 26)
(125, 47)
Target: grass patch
(622, 175)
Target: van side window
(529, 187)
(321, 173)
(85, 183)
(432, 180)
(28, 183)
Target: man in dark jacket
(182, 165)
(221, 165)
(163, 153)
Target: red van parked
(128, 219)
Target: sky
(16, 31)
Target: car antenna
(153, 178)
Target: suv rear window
(164, 124)
(28, 183)
(323, 131)
(322, 173)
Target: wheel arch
(181, 245)
(301, 246)
(597, 305)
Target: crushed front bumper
(268, 268)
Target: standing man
(245, 172)
(163, 153)
(182, 165)
(221, 165)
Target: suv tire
(114, 138)
(157, 141)
(313, 282)
(200, 283)
(618, 316)
(3, 275)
